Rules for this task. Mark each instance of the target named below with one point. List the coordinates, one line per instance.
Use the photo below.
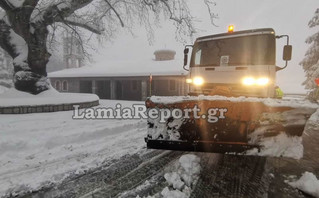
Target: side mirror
(186, 50)
(286, 56)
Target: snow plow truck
(231, 104)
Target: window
(77, 63)
(65, 85)
(134, 85)
(69, 48)
(172, 85)
(69, 62)
(78, 49)
(58, 85)
(198, 54)
(244, 50)
(86, 86)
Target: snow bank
(307, 183)
(267, 101)
(313, 122)
(3, 89)
(13, 97)
(44, 148)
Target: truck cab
(239, 63)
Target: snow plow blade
(223, 124)
(200, 146)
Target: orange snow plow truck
(231, 103)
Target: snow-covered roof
(125, 68)
(165, 51)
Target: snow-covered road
(40, 149)
(60, 157)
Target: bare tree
(25, 25)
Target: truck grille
(237, 90)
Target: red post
(151, 78)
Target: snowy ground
(308, 182)
(181, 176)
(286, 171)
(40, 149)
(3, 89)
(37, 149)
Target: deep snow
(39, 149)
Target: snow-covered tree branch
(83, 24)
(310, 63)
(24, 28)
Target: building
(126, 80)
(67, 55)
(72, 50)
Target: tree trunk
(34, 79)
(29, 62)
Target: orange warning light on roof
(230, 28)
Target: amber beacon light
(230, 28)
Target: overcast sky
(285, 17)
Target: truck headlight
(253, 81)
(198, 81)
(249, 81)
(189, 80)
(262, 81)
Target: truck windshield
(244, 50)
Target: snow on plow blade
(221, 124)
